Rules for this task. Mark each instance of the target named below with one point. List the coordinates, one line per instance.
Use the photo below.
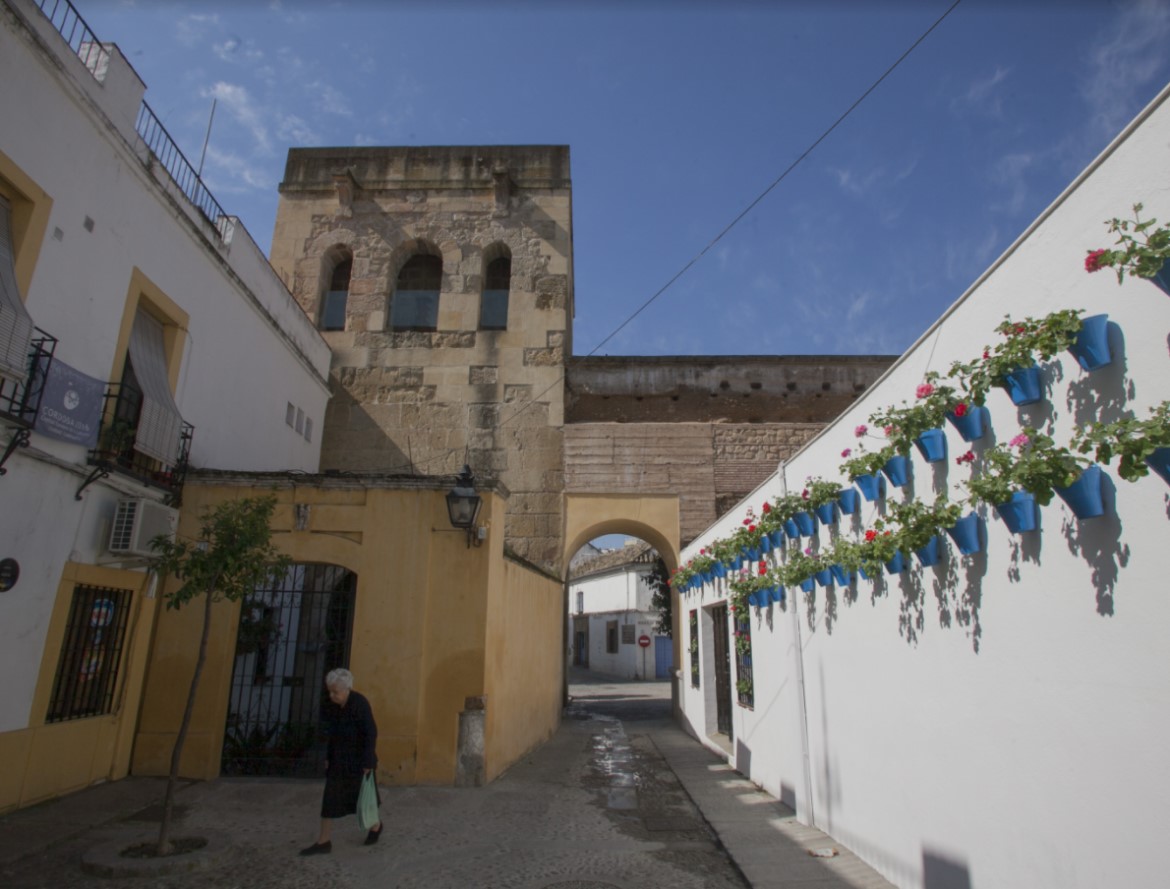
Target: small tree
(233, 556)
(659, 582)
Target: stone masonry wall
(429, 401)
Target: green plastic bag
(367, 806)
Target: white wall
(623, 595)
(249, 350)
(1000, 719)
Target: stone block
(479, 375)
(544, 357)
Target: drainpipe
(801, 703)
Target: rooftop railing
(81, 39)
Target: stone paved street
(597, 806)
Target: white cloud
(226, 49)
(236, 170)
(1124, 61)
(327, 99)
(239, 104)
(1010, 171)
(190, 29)
(983, 95)
(290, 128)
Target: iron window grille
(21, 400)
(611, 637)
(91, 653)
(694, 646)
(744, 684)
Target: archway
(653, 519)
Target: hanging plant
(1142, 248)
(1030, 462)
(1025, 343)
(1132, 441)
(915, 523)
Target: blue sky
(678, 116)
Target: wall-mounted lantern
(463, 504)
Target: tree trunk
(164, 831)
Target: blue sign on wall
(71, 409)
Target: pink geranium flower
(847, 452)
(1019, 441)
(860, 430)
(923, 390)
(1093, 260)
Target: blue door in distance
(663, 657)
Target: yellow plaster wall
(418, 645)
(50, 759)
(525, 664)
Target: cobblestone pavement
(597, 806)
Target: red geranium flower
(751, 528)
(766, 508)
(870, 535)
(961, 409)
(1093, 260)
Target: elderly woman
(353, 736)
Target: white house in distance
(611, 617)
(141, 333)
(1000, 719)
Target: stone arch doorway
(291, 633)
(654, 519)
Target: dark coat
(353, 738)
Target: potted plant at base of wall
(918, 527)
(1139, 445)
(1022, 474)
(1012, 364)
(1143, 251)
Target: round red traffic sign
(644, 641)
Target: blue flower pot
(864, 574)
(840, 575)
(826, 513)
(765, 544)
(897, 470)
(719, 570)
(1159, 461)
(752, 553)
(1019, 513)
(928, 555)
(932, 445)
(1023, 385)
(776, 594)
(1084, 496)
(754, 600)
(777, 537)
(791, 530)
(1091, 348)
(805, 523)
(707, 576)
(965, 533)
(847, 500)
(808, 585)
(972, 424)
(870, 486)
(736, 563)
(824, 578)
(897, 564)
(1162, 278)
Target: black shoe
(318, 849)
(372, 836)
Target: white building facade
(998, 720)
(612, 619)
(156, 337)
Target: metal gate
(722, 670)
(290, 636)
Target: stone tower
(442, 279)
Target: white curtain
(16, 326)
(160, 422)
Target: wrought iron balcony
(116, 448)
(20, 401)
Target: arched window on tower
(493, 305)
(337, 295)
(415, 305)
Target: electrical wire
(727, 228)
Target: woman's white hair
(340, 677)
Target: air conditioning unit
(139, 521)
